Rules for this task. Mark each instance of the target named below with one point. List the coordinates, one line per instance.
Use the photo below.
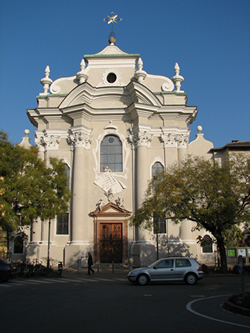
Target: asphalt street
(107, 302)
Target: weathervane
(111, 20)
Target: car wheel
(142, 279)
(190, 279)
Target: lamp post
(48, 246)
(157, 245)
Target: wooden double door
(110, 242)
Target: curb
(236, 309)
(118, 272)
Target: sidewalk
(104, 273)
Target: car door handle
(171, 269)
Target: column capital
(175, 139)
(141, 137)
(47, 141)
(79, 138)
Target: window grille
(62, 224)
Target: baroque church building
(114, 125)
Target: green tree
(215, 197)
(28, 189)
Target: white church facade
(114, 125)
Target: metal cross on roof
(111, 20)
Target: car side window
(182, 263)
(168, 263)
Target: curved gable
(142, 95)
(110, 97)
(101, 97)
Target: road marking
(216, 286)
(57, 280)
(25, 282)
(40, 281)
(88, 280)
(76, 280)
(22, 283)
(5, 285)
(189, 308)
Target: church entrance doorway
(110, 233)
(111, 242)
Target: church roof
(111, 51)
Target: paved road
(109, 303)
(40, 281)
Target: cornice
(177, 111)
(170, 93)
(85, 108)
(141, 111)
(45, 111)
(123, 55)
(50, 95)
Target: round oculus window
(111, 78)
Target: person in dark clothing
(90, 263)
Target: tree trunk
(8, 244)
(223, 256)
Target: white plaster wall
(200, 147)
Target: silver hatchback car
(168, 269)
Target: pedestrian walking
(90, 263)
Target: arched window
(67, 172)
(207, 244)
(159, 223)
(111, 154)
(18, 245)
(157, 168)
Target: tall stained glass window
(111, 154)
(157, 168)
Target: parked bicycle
(26, 270)
(39, 270)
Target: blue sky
(210, 39)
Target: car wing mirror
(155, 267)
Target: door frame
(123, 239)
(111, 213)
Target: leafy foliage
(215, 197)
(234, 237)
(29, 189)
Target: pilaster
(80, 139)
(141, 140)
